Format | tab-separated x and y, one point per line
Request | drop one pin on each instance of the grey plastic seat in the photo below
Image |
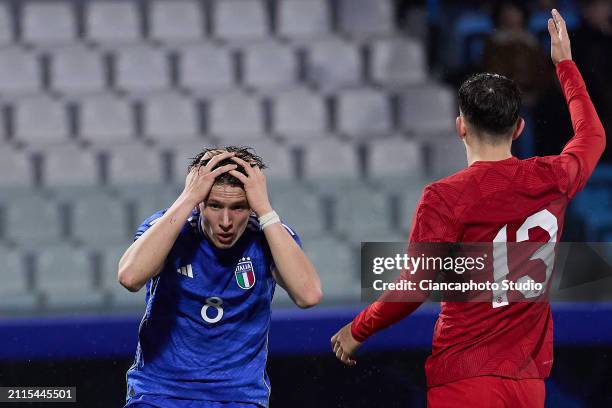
41	120
362	209
299	208
330	159
19	71
335	262
150	198
270	65
106	119
205	68
408	201
142	68
6	25
99	219
235	114
182	154
299	113
303	19
120	297
112	21
277	158
448	154
395	157
16	169
48	23
134	164
333	63
398	61
65	277
164	15
15	294
363	112
240	20
32	220
70	165
171	118
365	17
77	70
428	109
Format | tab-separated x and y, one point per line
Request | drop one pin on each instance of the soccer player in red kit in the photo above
495	354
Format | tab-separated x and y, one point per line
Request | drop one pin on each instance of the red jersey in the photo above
509	200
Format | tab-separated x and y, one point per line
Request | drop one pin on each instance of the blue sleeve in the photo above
148	223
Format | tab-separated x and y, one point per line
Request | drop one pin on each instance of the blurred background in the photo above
350	102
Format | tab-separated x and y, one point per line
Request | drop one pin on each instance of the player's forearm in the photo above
145	258
589	140
298	275
378	316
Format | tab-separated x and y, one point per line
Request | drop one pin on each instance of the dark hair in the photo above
500	6
243	152
491	103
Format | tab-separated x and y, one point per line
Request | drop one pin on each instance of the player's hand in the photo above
344	345
560	48
200	179
255	186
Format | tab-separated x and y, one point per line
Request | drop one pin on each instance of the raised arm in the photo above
580	155
145	258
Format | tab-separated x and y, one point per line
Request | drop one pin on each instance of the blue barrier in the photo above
293	332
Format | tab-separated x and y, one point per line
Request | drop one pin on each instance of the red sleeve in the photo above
581	153
432	222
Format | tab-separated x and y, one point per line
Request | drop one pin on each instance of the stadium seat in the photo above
48	23
69	166
41	120
142	68
299	208
447	155
99	219
6	25
270	65
336	264
366	17
205	68
120	297
398	61
395	157
106	119
65	278
132	164
16	169
32	220
165	15
147	199
364	113
428	109
15	294
240	20
299	113
408	201
170	118
235	114
360	210
19	71
333	63
330	160
298	19
112	21
182	154
77	70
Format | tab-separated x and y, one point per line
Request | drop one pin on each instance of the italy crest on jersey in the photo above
245	275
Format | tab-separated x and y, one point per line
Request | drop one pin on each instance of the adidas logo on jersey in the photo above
186	270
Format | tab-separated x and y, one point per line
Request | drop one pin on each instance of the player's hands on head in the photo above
200	179
255	186
344	345
560	48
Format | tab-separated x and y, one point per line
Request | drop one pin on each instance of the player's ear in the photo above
460	126
520	126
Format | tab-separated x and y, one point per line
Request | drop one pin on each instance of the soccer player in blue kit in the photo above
211	263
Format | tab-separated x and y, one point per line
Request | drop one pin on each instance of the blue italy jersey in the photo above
204	334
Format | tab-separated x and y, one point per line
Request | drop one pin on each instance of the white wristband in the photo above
269	219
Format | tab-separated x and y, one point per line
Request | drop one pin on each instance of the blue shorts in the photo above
159	401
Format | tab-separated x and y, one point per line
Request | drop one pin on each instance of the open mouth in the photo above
225	238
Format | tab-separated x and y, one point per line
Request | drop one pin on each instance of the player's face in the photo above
226	213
